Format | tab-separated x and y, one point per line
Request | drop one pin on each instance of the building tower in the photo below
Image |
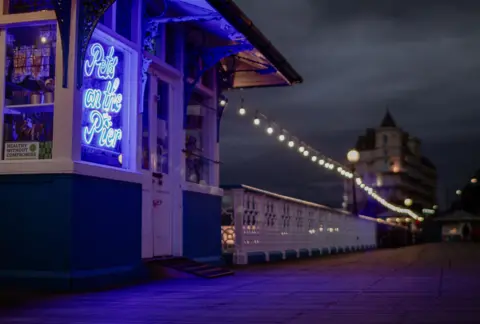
391	163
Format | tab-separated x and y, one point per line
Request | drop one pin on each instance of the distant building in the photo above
391	162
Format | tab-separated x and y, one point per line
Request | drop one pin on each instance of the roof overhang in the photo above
262	65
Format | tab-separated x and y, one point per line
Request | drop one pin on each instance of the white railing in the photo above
259	223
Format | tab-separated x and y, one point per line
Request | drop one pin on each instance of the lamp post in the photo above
353	156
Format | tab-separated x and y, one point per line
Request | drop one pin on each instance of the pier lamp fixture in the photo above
353	156
408	202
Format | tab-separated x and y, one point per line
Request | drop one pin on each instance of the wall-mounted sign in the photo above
21	151
102	105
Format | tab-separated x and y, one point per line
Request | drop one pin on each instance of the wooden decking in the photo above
420	284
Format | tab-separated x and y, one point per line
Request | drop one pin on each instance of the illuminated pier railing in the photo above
264	226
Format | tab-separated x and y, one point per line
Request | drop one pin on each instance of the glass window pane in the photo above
23	6
197	162
162	126
146	128
29	92
124	18
104	107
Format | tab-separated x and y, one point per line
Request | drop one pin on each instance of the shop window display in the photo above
29	92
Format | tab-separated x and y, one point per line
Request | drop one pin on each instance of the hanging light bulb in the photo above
222	101
256	120
281	137
301	149
291	143
242	111
321	162
306	153
269	130
314	158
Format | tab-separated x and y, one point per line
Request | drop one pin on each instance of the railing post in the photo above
260	224
239	255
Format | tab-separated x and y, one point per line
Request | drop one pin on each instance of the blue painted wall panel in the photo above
68	225
202	225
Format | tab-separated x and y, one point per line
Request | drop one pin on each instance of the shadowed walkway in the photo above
420	284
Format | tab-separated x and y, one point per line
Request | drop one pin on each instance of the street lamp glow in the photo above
408	202
458	192
353	156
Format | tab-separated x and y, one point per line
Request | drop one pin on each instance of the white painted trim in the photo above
109	35
64	138
166	70
106	172
69	167
36	167
28	19
204	189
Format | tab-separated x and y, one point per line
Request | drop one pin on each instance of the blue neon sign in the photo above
102	103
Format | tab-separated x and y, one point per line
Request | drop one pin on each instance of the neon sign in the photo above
101	102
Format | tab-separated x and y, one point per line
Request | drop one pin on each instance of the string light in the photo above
242	111
256	120
332	165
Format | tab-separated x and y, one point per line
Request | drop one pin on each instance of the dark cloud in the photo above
421	58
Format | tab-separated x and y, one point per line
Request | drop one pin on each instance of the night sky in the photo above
419	58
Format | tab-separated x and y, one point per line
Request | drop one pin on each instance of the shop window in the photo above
23	6
105	105
124	18
198	161
29	92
